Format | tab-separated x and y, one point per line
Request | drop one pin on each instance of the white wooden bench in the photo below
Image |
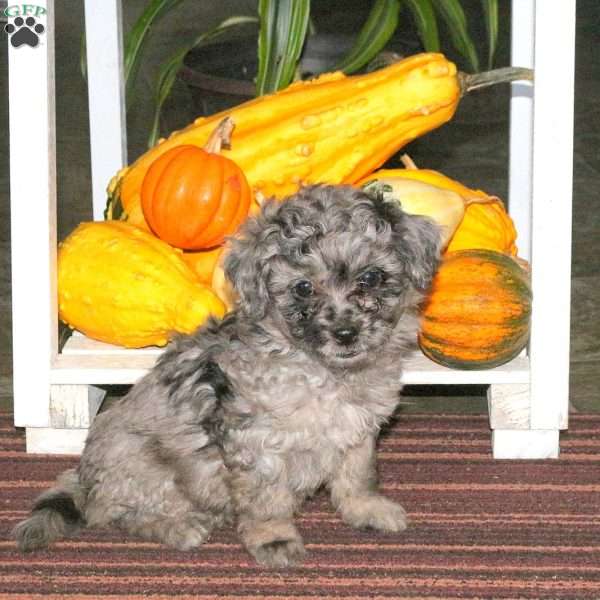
55	397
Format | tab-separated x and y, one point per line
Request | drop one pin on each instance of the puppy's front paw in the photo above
280	553
273	543
375	512
187	533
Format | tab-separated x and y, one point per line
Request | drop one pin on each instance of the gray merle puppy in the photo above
243	420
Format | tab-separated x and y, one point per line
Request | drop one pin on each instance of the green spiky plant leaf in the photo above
490	12
283	26
379	27
451	11
426	23
136	39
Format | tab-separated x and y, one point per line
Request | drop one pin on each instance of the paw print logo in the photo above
24	31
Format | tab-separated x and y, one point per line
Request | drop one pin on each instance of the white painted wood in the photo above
74	406
419	370
45	440
508	405
81	344
106	93
33	221
123	369
525	443
87	361
521	125
551	212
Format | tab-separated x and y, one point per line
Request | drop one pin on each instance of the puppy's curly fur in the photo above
247	417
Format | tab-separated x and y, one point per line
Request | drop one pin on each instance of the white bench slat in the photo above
87	361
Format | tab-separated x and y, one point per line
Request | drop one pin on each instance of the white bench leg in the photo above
525	443
527	422
510	420
72	408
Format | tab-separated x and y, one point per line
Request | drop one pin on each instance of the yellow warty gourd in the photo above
333	129
121	285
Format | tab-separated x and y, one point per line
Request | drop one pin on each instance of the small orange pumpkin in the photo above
194	197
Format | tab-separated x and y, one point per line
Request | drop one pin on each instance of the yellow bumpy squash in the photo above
333	129
485	224
485	227
446	207
121	285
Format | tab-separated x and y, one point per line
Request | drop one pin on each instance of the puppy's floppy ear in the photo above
247	264
417	241
421	245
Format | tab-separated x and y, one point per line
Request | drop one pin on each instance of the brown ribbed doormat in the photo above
480	529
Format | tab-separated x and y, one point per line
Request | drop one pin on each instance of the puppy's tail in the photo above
56	513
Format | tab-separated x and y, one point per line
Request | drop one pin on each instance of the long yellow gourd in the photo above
121	285
333	129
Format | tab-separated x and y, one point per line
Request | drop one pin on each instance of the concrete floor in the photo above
472	148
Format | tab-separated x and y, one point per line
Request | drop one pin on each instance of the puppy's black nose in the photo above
346	335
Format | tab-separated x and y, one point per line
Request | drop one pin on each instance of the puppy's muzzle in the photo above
345	335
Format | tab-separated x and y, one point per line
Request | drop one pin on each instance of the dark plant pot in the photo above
222	75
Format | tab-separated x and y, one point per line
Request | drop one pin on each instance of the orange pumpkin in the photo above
193	197
477	315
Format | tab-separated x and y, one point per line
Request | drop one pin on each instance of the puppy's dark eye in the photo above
303	289
370	279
